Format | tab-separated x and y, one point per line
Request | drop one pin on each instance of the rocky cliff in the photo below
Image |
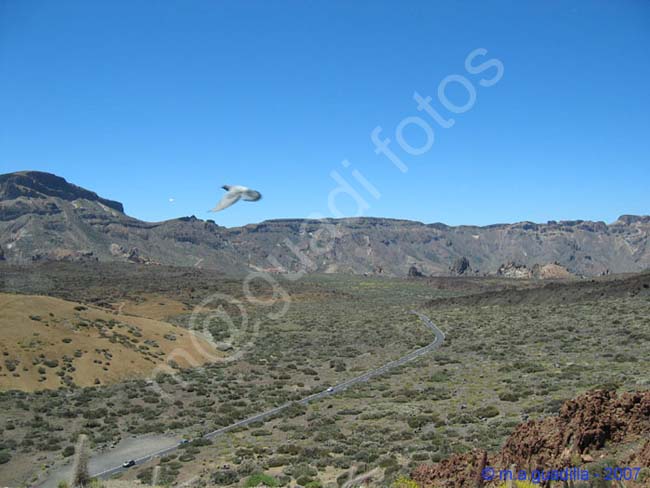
44	217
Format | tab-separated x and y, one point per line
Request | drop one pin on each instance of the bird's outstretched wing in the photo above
228	199
251	195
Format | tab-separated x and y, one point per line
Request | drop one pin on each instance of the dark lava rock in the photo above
460	266
414	272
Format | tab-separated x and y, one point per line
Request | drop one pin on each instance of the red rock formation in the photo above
584	424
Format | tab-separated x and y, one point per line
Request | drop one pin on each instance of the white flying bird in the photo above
234	194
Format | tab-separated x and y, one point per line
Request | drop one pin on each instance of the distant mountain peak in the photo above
38	184
633	219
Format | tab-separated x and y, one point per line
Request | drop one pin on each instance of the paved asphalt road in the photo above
437	342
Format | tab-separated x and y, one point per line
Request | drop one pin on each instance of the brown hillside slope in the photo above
47	342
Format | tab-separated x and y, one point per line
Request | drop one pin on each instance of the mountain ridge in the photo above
43	217
37	184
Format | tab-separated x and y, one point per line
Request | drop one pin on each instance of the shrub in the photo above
4	457
11	364
487	412
508	397
276	461
418	421
304	480
225	477
261	479
261	432
145	476
405	483
201	441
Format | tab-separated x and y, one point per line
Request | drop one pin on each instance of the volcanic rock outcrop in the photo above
584	426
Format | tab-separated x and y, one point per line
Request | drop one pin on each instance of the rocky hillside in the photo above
43	217
591	432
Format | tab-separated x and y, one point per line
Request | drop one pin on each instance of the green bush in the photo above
487	412
261	432
225	477
260	479
304	480
419	421
508	397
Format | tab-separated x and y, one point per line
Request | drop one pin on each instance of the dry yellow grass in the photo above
35	331
152	306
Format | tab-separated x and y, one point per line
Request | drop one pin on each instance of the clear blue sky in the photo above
143	101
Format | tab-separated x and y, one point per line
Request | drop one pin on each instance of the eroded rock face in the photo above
547	271
40	213
586	424
460	267
132	255
460	470
514	270
414	272
642	457
551	271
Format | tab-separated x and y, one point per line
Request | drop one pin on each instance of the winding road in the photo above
437	342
